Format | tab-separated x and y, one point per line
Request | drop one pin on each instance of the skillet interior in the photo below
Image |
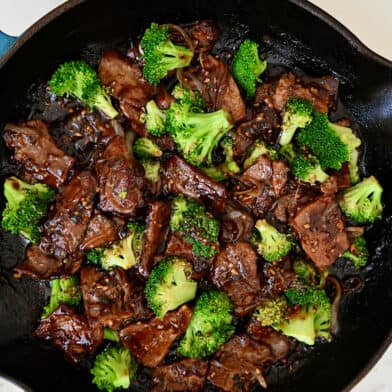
291	36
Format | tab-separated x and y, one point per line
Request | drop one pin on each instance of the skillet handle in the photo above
6	41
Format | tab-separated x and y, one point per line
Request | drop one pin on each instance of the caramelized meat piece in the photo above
157	226
111	299
66	226
261	184
185	375
180	177
321	229
120	179
126	83
36	150
235	272
239	364
150	341
70	332
277	277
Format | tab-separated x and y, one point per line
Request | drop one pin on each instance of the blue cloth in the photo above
6	41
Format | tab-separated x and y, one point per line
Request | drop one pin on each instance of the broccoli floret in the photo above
154	118
272	312
146	148
297	114
259	148
200	228
190	98
270	243
197	134
306	272
170	285
111	335
324	142
63	291
362	202
247	66
79	79
152	171
230	165
215	173
26	206
114	368
305	167
358	253
161	55
124	253
210	326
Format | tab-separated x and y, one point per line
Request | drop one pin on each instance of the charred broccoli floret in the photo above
170	285
114	368
269	242
247	66
210	326
358	253
259	148
63	291
79	79
190	98
154	118
124	253
306	272
146	148
26	206
362	202
161	55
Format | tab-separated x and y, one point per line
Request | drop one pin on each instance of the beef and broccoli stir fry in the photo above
186	210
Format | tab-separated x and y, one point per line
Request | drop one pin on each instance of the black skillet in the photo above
294	33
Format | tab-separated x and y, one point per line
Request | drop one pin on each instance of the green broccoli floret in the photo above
215	173
197	134
229	165
362	202
79	79
26	206
272	312
297	114
247	66
306	272
200	228
146	148
305	167
152	171
190	98
154	118
270	243
358	253
124	253
63	291
161	55
259	148
210	326
114	368
170	285
111	335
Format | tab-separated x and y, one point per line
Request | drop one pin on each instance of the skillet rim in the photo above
316	12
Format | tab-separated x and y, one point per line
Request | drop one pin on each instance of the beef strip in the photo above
260	185
111	299
126	83
36	150
180	177
235	272
185	375
277	277
70	332
321	229
150	341
239	363
120	178
157	226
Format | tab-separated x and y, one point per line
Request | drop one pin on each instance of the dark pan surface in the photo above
291	36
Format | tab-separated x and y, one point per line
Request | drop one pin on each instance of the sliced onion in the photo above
335	304
260	378
186	36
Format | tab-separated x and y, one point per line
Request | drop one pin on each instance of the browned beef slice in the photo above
181	178
239	363
67	223
261	184
70	332
157	226
235	272
126	83
185	375
120	179
321	229
36	150
150	341
110	298
101	231
277	277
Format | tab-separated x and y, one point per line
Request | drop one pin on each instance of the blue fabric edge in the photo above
6	42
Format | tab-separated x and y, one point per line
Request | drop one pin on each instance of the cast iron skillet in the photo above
292	32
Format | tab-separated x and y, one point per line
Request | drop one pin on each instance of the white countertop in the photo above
369	20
